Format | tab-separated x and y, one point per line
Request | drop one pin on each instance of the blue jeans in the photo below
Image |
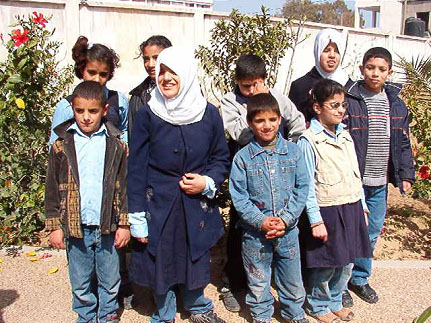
376	199
194	301
258	254
94	256
324	289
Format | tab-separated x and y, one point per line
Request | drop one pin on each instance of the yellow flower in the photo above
53	270
20	103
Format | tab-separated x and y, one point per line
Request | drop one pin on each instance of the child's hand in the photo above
142	240
192	183
274	227
406	186
274	234
261	88
122	236
366	212
56	239
320	232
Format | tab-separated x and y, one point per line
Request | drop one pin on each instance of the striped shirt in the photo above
378	148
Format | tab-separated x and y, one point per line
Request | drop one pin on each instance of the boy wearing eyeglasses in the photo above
378	121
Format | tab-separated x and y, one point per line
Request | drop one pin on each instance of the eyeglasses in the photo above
336	105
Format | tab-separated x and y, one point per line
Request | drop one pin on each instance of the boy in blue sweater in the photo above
269	187
378	121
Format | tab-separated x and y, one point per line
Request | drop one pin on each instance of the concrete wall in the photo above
124	25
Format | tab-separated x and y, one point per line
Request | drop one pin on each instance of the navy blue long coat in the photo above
155	171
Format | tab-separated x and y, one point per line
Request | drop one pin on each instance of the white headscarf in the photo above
323	38
188	106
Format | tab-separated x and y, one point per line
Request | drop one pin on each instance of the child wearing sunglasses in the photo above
334	232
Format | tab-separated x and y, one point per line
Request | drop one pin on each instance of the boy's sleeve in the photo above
217	167
234	122
407	168
292	210
247	211
124	116
122	176
52	191
295	120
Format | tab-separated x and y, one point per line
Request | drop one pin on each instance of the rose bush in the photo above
31	83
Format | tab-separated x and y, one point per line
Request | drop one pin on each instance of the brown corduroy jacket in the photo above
62	199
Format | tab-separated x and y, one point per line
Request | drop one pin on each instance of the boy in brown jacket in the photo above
86	204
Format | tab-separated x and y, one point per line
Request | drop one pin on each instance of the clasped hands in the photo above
274	227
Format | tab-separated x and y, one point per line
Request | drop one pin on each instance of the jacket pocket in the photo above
255	181
328	178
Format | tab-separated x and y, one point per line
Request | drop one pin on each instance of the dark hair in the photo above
82	53
378	52
321	92
90	90
250	66
259	103
157	40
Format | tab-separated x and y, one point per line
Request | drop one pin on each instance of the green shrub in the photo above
417	95
31	83
243	34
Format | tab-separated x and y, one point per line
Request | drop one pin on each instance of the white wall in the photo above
124	25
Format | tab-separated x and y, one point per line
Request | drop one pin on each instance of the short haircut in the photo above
260	103
320	93
250	67
157	40
378	52
90	90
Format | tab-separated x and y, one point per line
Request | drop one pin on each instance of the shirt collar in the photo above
316	127
280	147
102	130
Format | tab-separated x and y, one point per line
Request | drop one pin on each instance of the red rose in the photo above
424	172
39	19
18	37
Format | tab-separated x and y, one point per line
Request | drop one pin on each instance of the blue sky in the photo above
253	6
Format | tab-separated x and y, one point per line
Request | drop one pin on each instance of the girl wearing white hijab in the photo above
178	158
329	47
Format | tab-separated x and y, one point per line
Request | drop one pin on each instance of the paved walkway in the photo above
28	293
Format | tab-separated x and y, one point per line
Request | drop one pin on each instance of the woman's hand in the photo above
192	183
320	232
122	236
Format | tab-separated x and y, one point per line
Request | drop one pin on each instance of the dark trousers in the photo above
234	268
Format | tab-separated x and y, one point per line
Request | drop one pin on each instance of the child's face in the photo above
88	114
331	112
251	86
150	54
330	58
169	82
96	71
265	126
375	73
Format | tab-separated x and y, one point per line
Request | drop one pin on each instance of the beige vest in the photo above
337	177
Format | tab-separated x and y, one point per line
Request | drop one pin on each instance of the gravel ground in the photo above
28	293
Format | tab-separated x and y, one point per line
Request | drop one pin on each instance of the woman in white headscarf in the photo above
178	158
329	47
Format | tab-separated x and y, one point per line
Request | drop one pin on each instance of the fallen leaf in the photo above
53	270
30	254
34	259
1	260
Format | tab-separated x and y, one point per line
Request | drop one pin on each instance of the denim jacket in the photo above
269	183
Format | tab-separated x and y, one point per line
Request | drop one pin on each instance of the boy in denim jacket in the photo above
269	187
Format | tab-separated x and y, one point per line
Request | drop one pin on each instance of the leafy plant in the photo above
417	95
31	83
243	34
